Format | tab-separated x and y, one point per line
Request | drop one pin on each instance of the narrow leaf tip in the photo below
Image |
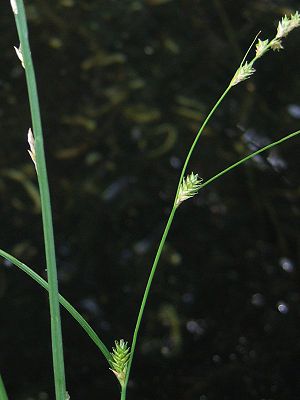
20	55
14	6
31	143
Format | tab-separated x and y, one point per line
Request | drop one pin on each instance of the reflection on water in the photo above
282	307
286	264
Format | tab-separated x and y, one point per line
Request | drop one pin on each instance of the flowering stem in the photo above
56	334
197	138
123	393
145	297
244	71
162	242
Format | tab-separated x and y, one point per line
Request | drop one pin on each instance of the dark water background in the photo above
124	86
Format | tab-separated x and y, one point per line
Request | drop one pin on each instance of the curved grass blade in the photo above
3	394
75	314
269	146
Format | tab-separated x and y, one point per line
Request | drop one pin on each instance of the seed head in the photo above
188	188
287	24
276	45
120	357
244	72
261	47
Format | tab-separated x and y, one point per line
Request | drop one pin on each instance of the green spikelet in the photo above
120	356
189	188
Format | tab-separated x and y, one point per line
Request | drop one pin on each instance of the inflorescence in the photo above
285	26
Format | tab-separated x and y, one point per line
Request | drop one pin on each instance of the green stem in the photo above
3	394
197	138
224	171
162	242
89	330
144	300
75	314
56	334
170	220
171	217
123	393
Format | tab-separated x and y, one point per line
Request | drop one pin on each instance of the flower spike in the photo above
120	357
287	24
244	72
188	188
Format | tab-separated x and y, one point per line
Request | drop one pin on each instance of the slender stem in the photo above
170	220
89	330
145	296
197	138
218	175
123	393
75	314
162	242
56	334
3	394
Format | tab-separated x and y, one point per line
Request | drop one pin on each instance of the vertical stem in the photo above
145	297
56	334
123	393
162	242
3	394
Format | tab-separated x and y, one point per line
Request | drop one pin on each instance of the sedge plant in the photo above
121	357
76	315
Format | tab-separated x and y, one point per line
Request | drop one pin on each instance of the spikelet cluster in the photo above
285	26
243	73
188	188
120	357
261	47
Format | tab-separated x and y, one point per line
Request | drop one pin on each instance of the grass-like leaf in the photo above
24	54
75	314
3	394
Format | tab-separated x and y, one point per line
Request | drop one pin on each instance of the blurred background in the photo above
124	86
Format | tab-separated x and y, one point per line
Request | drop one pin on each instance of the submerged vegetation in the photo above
189	185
